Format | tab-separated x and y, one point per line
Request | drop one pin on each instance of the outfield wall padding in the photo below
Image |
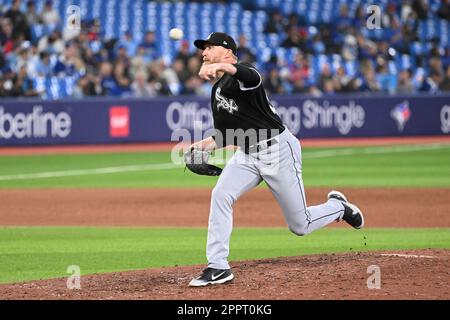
93	121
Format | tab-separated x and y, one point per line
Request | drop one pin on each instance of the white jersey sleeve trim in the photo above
243	88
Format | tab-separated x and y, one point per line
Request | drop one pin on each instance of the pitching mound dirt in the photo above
415	274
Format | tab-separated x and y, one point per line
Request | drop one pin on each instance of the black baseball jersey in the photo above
239	101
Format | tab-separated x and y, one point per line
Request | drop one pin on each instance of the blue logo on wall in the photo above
401	114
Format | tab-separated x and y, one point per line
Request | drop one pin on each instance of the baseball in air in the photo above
176	34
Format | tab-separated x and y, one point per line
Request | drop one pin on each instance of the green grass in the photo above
418	166
46	252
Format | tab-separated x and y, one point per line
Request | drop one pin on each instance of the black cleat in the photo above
352	214
337	195
212	276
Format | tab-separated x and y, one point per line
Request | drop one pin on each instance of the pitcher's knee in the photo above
221	195
299	229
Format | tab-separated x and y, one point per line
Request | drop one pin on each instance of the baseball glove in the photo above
197	161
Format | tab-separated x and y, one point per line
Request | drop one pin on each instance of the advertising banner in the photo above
36	122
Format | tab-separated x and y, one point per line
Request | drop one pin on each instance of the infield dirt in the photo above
382	207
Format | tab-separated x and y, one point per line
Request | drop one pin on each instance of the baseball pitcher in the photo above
267	150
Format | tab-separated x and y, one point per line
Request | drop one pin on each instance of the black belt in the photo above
262	145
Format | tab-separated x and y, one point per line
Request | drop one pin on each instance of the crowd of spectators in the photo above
124	68
345	37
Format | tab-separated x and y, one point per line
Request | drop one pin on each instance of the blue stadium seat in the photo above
404	61
52	88
351	67
40	86
419	48
67	85
335	62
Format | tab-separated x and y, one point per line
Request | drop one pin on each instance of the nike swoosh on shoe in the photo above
214	277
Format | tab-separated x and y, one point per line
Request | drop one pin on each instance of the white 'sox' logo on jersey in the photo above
224	103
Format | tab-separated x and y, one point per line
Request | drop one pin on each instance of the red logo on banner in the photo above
119	121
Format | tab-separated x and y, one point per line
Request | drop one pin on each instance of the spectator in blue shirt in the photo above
360	20
387	81
127	42
108	83
431	83
149	44
276	24
44	67
244	53
367	80
343	21
317	45
69	63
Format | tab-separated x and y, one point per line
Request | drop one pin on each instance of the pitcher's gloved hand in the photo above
197	161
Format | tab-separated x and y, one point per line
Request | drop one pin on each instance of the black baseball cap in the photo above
217	39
